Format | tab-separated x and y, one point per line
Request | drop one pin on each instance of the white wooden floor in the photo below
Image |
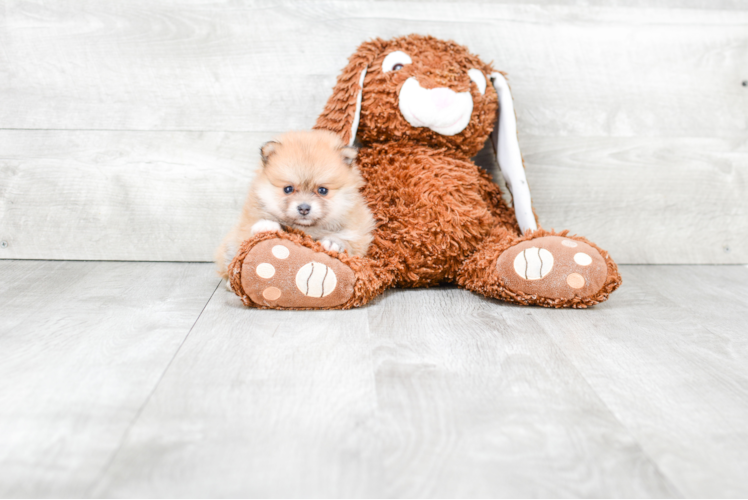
148	379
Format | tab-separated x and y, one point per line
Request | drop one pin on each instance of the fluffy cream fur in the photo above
303	162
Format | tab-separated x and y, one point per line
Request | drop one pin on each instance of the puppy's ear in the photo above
343	110
349	154
509	156
267	150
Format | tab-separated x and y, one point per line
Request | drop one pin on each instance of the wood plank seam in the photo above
109	462
610	410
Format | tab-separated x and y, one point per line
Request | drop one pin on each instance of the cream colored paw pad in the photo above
533	263
280	252
582	259
575	280
569	243
265	270
316	280
271	293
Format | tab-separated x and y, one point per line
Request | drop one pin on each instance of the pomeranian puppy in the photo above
307	180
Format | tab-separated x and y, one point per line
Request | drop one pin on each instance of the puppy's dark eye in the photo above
397	67
322	190
288	189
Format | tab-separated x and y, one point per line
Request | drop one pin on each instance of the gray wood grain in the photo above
425	393
673	4
631	118
256	66
122	195
475	400
646	200
443	395
172	195
669	357
82	345
258	404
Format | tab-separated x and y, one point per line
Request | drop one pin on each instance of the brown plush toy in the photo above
421	108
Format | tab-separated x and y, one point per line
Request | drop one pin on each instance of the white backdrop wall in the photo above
129	129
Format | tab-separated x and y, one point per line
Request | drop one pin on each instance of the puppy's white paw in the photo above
228	286
332	245
265	226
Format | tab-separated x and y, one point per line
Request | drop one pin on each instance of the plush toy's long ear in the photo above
343	110
509	156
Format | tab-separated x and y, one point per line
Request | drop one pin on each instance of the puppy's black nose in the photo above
304	209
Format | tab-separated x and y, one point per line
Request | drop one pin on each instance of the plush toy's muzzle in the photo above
443	110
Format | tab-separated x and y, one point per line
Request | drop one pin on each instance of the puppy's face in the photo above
308	178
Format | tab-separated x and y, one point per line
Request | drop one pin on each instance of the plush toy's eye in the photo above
322	190
288	189
395	61
477	76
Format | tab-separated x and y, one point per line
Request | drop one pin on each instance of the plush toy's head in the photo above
415	88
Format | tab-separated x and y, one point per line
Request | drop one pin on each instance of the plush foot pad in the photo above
553	267
279	273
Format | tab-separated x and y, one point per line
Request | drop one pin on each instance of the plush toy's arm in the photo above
509	156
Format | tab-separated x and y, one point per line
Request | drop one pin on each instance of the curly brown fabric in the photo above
440	219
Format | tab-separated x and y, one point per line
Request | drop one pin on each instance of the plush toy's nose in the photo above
304	209
441	109
442	98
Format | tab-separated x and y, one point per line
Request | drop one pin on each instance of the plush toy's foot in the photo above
552	267
278	273
289	271
547	269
